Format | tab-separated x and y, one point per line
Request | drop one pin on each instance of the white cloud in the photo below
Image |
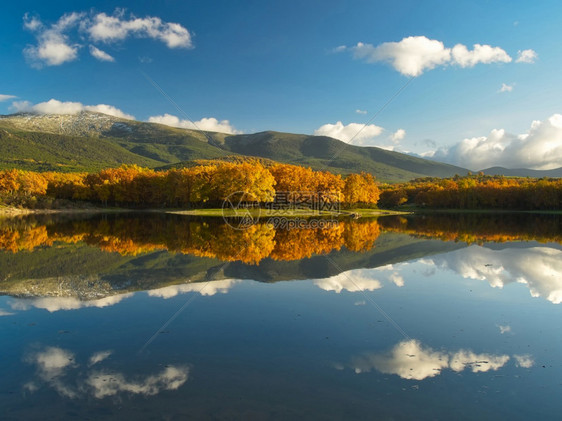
480	54
53	361
21	106
339	49
526	56
100	55
358	111
55	369
209	288
107	29
55	44
98	357
52	365
504	329
506	88
411	56
109	110
31	23
54	106
398	135
6	97
476	362
352	281
5	313
52	304
411	360
539	268
210	124
353	132
416	54
524	361
396	279
540	148
105	384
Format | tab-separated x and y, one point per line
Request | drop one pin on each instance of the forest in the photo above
477	191
208	183
203	185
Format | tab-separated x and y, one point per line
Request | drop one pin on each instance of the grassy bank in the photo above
212	212
256	212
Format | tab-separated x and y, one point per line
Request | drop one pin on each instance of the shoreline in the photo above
232	213
210	212
9	211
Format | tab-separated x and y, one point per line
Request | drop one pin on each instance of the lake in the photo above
153	316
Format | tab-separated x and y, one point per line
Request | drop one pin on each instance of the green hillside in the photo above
523	172
321	152
89	141
39	151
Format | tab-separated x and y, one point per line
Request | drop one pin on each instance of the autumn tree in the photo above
361	189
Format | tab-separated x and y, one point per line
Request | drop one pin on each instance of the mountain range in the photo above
90	141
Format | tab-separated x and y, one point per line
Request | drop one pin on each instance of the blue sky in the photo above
275	65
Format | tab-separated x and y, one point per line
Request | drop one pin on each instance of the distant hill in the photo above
523	172
89	141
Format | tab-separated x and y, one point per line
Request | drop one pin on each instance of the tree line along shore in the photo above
208	184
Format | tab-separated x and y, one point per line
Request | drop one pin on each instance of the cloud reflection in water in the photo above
411	360
57	368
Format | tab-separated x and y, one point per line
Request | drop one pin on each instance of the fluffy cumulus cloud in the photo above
353	132
54	46
479	54
411	360
539	268
540	148
526	56
58	369
416	54
209	124
54	106
61	41
100	54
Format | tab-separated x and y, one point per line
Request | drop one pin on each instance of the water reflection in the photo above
539	268
352	281
53	304
57	263
207	288
203	238
59	369
479	228
411	360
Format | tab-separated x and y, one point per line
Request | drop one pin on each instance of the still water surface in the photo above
162	317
